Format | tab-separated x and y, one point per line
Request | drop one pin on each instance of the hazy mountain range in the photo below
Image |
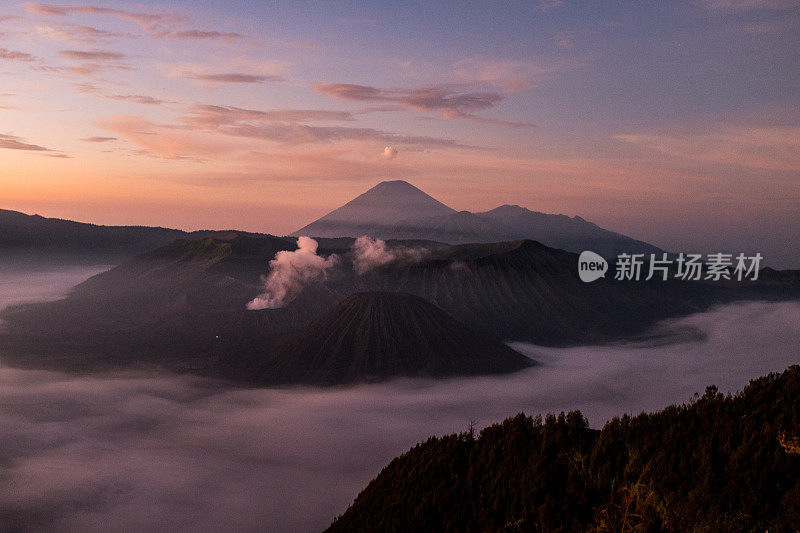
398	210
390	210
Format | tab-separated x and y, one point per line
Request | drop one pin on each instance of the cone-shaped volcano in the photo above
377	211
377	335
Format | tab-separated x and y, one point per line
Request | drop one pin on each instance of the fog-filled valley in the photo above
159	451
20	287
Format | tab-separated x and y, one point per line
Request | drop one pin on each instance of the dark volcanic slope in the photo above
174	306
183	306
523	290
715	465
377	335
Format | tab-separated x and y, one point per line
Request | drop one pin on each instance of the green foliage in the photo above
713	465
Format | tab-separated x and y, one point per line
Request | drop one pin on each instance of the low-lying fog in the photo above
160	452
24	287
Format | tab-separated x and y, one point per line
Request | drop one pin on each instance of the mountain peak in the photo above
399	190
384	205
394	185
510	208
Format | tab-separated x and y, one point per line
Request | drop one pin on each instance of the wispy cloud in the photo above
98	139
4	18
92	55
12	142
291	126
13	55
547	5
165	142
236	70
452	101
148	21
93	61
734	6
204	35
212	116
235	77
214	131
138	99
448	98
78	34
503	75
158	25
484	120
91	88
774	148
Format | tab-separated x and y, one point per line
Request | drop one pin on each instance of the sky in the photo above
673	122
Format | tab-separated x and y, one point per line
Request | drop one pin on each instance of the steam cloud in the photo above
369	253
290	271
390	152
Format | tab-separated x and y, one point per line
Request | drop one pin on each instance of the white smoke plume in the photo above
369	253
290	271
390	152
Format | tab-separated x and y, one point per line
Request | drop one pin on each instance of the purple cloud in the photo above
290	126
12	142
148	21
235	77
92	55
98	139
138	99
204	35
79	34
13	55
450	100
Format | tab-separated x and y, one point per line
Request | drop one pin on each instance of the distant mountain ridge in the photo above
28	241
392	210
398	210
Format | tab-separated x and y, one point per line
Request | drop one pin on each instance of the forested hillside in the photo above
718	463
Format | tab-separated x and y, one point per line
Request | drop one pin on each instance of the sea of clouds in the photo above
131	451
